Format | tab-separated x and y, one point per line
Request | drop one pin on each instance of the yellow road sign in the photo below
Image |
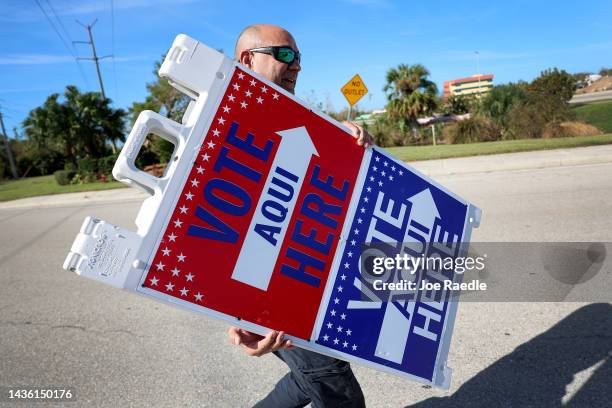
354	90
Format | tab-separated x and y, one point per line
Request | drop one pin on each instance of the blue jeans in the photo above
322	380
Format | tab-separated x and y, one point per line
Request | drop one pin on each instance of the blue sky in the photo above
338	38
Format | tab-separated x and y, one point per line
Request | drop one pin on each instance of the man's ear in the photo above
246	59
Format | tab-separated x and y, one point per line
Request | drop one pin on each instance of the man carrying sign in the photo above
272	52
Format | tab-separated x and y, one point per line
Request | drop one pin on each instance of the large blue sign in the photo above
402	209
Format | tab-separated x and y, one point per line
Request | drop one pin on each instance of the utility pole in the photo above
9	152
95	58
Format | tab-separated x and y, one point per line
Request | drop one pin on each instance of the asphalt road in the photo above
591	97
118	349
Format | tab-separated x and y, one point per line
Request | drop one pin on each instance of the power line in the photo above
60	23
62	39
113	46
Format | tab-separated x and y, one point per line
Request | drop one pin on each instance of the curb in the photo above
514	161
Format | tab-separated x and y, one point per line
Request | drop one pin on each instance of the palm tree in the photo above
411	94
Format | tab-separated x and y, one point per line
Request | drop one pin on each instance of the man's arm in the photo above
256	345
363	137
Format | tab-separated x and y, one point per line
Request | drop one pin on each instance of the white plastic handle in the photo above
125	169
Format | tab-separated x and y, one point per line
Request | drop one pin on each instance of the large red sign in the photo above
256	226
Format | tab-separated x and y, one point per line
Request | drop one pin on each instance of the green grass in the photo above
37	186
598	114
414	153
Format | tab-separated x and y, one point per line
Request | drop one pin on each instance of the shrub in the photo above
474	129
64	177
106	164
87	165
569	129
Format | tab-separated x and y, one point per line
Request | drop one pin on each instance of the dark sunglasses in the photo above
283	53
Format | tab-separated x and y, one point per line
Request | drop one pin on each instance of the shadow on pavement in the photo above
536	373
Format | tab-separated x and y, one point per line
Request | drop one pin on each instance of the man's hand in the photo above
256	345
363	137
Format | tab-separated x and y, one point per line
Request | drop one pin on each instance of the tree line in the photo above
76	135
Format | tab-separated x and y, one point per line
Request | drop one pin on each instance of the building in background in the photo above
475	85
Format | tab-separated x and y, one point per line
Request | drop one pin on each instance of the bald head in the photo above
265	64
259	35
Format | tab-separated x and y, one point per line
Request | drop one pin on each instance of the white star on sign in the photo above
166	252
154	281
236	86
329	325
221	120
184	292
260	99
160	266
350	254
383	173
359	220
369	189
248	94
183	209
178	223
336	341
354	347
175	271
385	164
366	199
345	344
371	178
189	196
216	133
198	297
356	231
393	168
189	277
226	109
348	332
205	157
339	328
181	257
325	338
343	277
374	168
172	237
275	96
380	183
243	104
231	98
264	89
200	169
391	178
346	265
343	316
340	288
377	158
240	75
333	312
169	287
401	173
211	144
353	242
336	300
252	82
195	182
